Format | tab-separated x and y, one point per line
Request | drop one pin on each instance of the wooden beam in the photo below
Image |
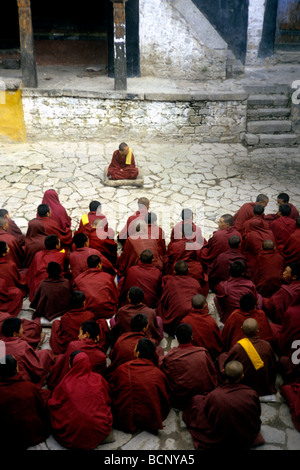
29	74
120	60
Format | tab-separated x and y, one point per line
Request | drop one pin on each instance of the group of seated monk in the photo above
110	300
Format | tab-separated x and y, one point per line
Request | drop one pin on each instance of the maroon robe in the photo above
34	240
145	276
140	396
66	329
32	329
14	230
11	275
182	366
156	233
232	330
119	170
58	212
52	298
227	417
129	227
261	380
133	248
229	293
244	213
253	240
247	225
33	364
11	298
291	392
176	300
291	249
78	261
16	253
176	233
60	368
52	228
218	271
206	332
100	290
123	350
293	215
282	228
24	417
277	305
124	316
104	242
217	244
290	329
267	272
92	216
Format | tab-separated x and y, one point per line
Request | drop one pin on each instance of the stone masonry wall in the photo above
201	119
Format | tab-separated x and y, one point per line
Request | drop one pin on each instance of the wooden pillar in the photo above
120	61
29	75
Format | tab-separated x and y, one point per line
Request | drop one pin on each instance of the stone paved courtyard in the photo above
212	179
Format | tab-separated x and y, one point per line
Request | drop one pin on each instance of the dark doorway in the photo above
287	35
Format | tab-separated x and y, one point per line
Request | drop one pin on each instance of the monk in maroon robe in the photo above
32	330
87	342
284	198
218	243
122	320
176	300
13	229
130	226
188	368
24	417
52	296
122	165
9	271
156	232
58	212
228	293
102	240
291	249
34	240
232	330
206	332
144	275
33	364
276	306
52	227
140	393
227	417
16	252
88	219
99	288
246	211
289	331
291	393
268	269
179	230
283	226
11	298
258	359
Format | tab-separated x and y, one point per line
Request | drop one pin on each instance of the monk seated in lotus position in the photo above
122	165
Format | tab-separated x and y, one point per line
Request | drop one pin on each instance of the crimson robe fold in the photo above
217	244
52	298
133	247
118	168
58	212
145	276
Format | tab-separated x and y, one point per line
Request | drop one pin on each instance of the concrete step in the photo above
268	100
272	140
265	127
257	114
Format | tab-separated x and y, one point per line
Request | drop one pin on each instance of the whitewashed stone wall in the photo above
202	119
177	41
256	14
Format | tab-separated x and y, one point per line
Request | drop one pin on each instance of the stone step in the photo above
267	89
272	140
257	114
268	100
265	127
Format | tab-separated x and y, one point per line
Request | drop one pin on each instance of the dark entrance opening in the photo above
287	35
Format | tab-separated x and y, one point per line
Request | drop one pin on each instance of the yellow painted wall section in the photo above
12	125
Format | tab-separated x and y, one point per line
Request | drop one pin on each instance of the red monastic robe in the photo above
293	215
133	248
190	371
120	170
232	330
262	380
145	276
100	290
80	408
52	298
277	305
244	213
253	240
291	392
24	417
267	272
32	329
129	228
58	212
14	230
103	242
229	293
78	262
11	298
16	253
156	233
52	228
33	364
176	300
140	396
123	350
217	244
248	223
289	330
11	275
206	332
66	329
218	271
176	233
227	417
88	219
282	228
291	249
34	240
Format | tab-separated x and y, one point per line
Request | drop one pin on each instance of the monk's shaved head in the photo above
233	371
250	327
268	245
198	301
143	201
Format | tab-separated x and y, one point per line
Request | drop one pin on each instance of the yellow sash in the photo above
252	353
62	251
128	157
85	219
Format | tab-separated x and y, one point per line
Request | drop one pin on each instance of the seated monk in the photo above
87	342
189	369
144	275
34	240
176	300
258	214
52	296
13	229
140	393
155	231
11	298
258	359
80	406
24	417
16	252
284	198
206	332
66	329
52	227
246	211
33	364
99	288
268	269
178	230
130	226
121	321
227	416
32	330
95	212
58	212
122	165
9	271
283	226
232	330
291	393
291	249
102	240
